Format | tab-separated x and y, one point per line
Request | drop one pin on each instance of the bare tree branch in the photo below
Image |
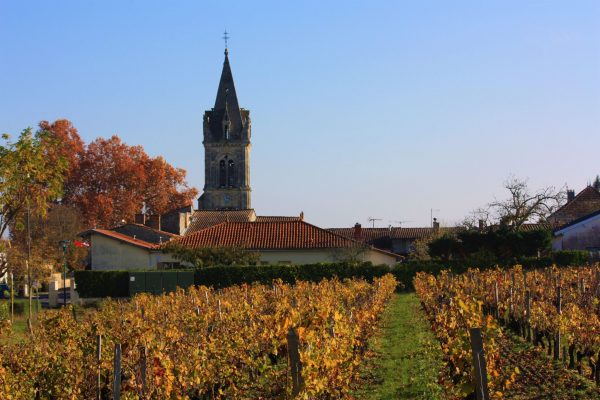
524	206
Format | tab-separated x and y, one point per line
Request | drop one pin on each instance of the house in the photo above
202	219
175	221
128	247
287	242
224	216
586	202
396	240
580	234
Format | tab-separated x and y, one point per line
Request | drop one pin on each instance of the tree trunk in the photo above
30	295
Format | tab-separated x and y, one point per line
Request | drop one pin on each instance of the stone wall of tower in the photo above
227	133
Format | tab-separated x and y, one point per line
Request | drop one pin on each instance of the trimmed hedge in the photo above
116	283
102	283
223	276
570	257
21	307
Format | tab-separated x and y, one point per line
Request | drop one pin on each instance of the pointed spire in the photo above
226	101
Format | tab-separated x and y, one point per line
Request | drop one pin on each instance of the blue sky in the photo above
379	109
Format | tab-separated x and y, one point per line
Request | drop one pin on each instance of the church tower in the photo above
226	150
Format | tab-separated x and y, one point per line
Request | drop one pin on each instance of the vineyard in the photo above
556	310
202	344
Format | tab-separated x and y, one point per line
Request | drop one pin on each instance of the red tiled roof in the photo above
586	202
266	236
202	219
122	238
370	234
147	228
262	218
534	227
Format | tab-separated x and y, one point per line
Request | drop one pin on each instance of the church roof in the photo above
586	202
287	235
226	102
202	219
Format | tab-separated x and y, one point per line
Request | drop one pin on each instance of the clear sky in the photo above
381	109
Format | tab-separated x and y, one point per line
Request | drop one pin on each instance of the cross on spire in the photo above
226	38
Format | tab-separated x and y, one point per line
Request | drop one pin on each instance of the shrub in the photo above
102	283
570	257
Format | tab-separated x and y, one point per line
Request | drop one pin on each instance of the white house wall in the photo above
584	235
112	254
319	256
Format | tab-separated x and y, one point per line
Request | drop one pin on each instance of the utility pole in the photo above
64	244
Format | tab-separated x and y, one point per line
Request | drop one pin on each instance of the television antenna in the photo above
431	211
400	222
371	219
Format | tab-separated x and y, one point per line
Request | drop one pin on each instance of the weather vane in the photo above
225	38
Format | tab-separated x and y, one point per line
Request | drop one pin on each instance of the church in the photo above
224	217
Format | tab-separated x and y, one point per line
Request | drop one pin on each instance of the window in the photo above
231	173
222	174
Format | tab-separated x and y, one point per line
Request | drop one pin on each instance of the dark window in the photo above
231	174
222	173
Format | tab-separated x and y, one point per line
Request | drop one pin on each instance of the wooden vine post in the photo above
293	344
99	359
496	300
117	373
528	316
480	382
557	335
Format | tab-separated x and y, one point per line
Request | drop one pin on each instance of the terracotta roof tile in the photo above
121	237
202	219
370	234
586	202
266	235
146	227
262	218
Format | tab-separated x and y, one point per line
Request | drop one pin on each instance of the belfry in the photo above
227	131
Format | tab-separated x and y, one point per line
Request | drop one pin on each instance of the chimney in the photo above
357	231
436	225
570	195
154	222
481	225
140	219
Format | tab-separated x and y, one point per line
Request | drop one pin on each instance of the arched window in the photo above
222	173
231	173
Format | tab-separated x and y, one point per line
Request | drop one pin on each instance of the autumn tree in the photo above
61	222
31	176
113	181
68	144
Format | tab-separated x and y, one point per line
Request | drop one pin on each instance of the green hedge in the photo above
223	276
21	307
570	257
102	283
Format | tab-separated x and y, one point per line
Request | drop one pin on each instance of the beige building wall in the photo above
319	256
112	254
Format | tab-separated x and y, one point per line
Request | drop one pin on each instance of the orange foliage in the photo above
110	181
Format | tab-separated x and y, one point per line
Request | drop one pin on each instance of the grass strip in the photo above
407	358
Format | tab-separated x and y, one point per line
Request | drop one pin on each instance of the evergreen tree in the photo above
596	184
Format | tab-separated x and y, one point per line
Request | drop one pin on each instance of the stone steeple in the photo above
227	132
